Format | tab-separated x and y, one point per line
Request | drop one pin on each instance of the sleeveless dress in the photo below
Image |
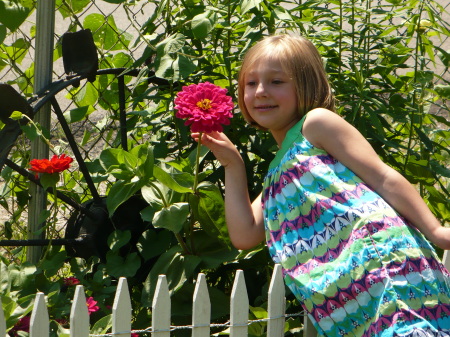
355	264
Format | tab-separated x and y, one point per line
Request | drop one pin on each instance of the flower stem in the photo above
197	162
182	244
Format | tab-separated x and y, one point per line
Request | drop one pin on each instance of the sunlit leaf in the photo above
172	217
120	192
248	5
77	114
203	23
12	14
179	182
69	7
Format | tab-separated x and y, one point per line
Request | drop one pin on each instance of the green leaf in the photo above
443	90
115	1
68	8
102	326
210	211
78	114
248	5
12	14
179	182
212	251
153	197
203	23
425	77
122	60
44	215
177	268
172	217
86	95
153	243
31	131
49	180
439	169
174	67
118	239
16	115
107	35
171	44
2	34
144	154
111	157
120	192
22	278
117	266
159	268
119	161
53	262
418	170
170	63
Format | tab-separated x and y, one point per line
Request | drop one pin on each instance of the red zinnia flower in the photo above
71	281
92	305
54	165
205	106
22	324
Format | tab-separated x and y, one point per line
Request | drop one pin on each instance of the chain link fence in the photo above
117	30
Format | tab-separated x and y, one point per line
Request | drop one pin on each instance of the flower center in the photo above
204	104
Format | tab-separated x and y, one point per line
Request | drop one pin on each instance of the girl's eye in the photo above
251	83
277	81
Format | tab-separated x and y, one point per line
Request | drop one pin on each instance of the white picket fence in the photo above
161	312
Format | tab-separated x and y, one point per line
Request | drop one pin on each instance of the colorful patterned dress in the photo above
353	262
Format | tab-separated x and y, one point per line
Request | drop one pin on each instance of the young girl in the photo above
342	224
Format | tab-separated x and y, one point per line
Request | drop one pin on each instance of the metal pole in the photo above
43	69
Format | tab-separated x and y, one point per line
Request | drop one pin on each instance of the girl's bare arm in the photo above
332	133
244	218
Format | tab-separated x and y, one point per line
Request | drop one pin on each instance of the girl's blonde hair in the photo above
298	57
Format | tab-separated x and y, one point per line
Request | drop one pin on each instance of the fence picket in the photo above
201	308
79	315
121	310
161	309
2	321
39	322
239	307
446	260
308	328
277	304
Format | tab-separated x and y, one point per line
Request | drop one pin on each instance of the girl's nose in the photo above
260	90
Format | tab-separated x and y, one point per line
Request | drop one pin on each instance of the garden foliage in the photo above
381	60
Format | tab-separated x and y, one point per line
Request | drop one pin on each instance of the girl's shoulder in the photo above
321	124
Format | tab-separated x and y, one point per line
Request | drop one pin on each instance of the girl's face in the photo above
270	97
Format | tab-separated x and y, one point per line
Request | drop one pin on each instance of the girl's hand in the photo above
221	146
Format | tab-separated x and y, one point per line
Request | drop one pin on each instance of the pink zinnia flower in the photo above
206	107
71	281
92	305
